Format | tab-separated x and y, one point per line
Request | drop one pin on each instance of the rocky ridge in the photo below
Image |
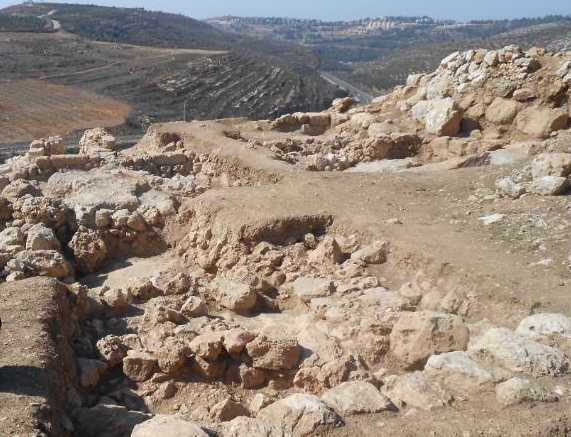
292	320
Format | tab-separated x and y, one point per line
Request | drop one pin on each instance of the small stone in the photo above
491	219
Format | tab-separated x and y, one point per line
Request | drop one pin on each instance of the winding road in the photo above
361	96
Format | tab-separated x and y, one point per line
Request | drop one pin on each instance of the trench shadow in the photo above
23	380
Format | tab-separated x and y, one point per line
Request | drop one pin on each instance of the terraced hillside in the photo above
157	83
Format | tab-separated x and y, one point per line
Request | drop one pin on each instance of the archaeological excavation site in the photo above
401	268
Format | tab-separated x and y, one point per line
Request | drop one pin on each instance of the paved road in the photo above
361	96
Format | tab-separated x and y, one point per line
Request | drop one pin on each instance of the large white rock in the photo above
415	390
168	426
299	414
545	324
517	390
356	397
458	371
247	427
551	164
45	263
444	118
418	335
550	185
506	187
10	237
520	354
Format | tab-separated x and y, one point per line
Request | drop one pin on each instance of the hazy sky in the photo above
347	9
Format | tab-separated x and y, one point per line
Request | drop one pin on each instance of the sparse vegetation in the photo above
23	23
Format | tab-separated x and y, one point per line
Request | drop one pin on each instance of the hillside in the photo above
375	54
153	62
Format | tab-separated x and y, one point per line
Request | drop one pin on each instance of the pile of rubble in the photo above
281	323
476	102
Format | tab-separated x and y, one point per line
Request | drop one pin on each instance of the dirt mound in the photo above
228	271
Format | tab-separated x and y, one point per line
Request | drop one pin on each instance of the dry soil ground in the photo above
431	216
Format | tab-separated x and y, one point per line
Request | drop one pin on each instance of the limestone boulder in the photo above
307	288
106	420
89	250
420	110
172	354
299	414
274	353
444	118
96	139
168	426
502	111
138	365
458	371
519	353
161	310
11	237
116	298
550	185
194	306
19	188
90	372
235	340
506	187
245	426
235	296
327	252
415	390
45	263
551	164
208	346
418	335
515	391
356	397
541	121
545	325
41	237
374	253
143	289
227	410
112	348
